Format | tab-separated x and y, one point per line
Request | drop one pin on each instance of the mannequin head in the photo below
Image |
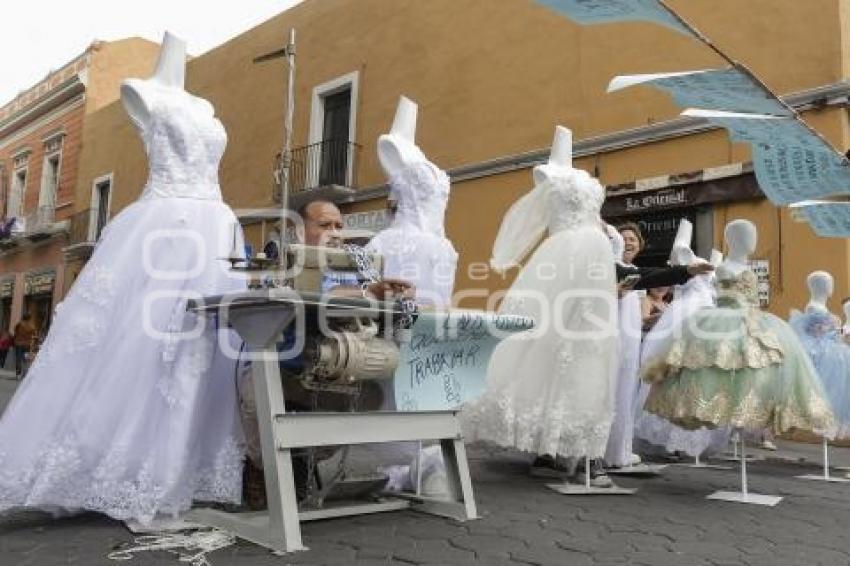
741	237
398	148
170	71
171	65
681	254
821	286
560	161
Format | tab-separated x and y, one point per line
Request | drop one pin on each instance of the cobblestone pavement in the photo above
668	522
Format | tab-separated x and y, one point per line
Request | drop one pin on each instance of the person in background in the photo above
653	306
24	334
6	343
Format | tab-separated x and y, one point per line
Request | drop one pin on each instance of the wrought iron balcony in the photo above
325	169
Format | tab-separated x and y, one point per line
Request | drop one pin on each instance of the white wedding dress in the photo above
619	450
121	412
697	293
414	246
550	390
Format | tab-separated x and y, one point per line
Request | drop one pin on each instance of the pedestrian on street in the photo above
6	344
24	334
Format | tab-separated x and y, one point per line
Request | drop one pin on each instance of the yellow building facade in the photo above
492	79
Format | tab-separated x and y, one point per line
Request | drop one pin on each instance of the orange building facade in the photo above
41	139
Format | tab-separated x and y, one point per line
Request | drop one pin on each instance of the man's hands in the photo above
391	289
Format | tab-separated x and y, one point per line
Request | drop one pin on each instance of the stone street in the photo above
668	522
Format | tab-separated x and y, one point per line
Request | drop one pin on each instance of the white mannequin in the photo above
170	72
821	286
741	237
560	157
681	254
398	149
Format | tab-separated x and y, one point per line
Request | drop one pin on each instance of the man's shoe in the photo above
769	445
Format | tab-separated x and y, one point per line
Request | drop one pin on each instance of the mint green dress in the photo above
737	366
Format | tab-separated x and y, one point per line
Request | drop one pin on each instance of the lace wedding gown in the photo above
414	246
123	412
550	389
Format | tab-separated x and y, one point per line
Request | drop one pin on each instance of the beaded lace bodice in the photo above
573	201
421	190
740	291
184	142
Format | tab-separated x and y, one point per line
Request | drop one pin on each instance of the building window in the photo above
333	127
49	181
14	206
101	199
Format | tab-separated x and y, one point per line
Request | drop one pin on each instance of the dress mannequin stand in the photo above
561	157
821	287
694	294
741	237
414	246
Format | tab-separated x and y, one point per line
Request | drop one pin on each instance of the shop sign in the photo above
372	220
38	283
662	199
7	287
761	267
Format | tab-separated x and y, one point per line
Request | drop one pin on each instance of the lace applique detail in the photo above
422	193
574	201
86	331
97	285
58	478
184	142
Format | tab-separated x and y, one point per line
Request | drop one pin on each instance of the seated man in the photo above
322	227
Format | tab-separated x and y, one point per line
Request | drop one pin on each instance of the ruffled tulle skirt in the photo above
831	359
741	368
126	411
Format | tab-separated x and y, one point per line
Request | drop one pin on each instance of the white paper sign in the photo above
729	89
827	219
589	12
761	267
790	162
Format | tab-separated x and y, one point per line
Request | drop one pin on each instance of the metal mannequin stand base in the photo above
744	496
568	488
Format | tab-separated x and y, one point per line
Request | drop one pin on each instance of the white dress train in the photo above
619	450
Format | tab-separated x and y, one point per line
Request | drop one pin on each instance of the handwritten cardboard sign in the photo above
445	362
589	12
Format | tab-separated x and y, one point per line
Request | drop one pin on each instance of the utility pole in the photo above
285	162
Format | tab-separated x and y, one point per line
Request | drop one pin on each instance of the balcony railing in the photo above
40	220
323	164
79	232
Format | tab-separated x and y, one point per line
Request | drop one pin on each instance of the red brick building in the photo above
41	137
